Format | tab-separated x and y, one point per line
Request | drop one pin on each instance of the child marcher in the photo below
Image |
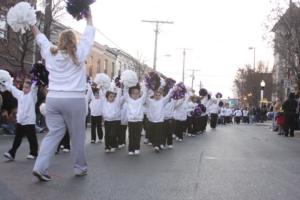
237	116
180	116
96	116
156	117
112	119
135	113
280	122
123	127
26	119
214	110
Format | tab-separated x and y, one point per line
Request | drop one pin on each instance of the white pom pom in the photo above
129	78
162	82
102	80
21	17
4	79
43	109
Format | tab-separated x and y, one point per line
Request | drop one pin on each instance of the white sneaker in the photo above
123	145
170	146
107	150
112	150
174	136
8	156
93	141
99	141
30	157
162	147
130	153
146	141
41	177
156	149
179	140
62	146
66	150
83	173
189	135
137	152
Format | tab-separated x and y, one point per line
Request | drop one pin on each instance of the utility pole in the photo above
183	62
193	76
156	31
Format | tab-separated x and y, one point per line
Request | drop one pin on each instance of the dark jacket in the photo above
290	106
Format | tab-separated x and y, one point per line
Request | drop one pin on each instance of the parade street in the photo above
233	162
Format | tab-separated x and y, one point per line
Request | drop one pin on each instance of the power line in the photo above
183	62
193	75
156	31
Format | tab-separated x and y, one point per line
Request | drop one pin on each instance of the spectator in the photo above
289	110
276	109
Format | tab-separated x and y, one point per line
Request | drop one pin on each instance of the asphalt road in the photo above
232	163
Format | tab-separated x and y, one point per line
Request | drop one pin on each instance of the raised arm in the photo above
15	91
41	40
34	91
167	98
86	40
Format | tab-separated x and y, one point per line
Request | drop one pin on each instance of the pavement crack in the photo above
196	186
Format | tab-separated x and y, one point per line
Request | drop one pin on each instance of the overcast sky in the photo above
218	33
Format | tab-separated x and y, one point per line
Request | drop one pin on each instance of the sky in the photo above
218	34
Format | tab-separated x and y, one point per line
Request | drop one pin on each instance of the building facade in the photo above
286	59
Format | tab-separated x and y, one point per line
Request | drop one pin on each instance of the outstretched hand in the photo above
88	17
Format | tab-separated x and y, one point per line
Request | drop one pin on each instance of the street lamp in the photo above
262	87
253	48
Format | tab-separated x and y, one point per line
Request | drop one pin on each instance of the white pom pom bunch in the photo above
4	79
102	80
21	17
43	109
129	78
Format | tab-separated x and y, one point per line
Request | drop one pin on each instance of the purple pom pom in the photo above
79	8
169	84
219	95
118	81
203	92
39	74
152	81
199	109
221	104
180	91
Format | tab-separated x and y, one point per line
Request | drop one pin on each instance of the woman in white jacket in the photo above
66	96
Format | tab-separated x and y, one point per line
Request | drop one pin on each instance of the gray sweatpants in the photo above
62	113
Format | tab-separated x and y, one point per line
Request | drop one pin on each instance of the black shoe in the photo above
41	177
292	135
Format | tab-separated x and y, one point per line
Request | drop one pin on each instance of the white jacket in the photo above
169	109
67	80
214	108
135	108
26	104
111	111
155	112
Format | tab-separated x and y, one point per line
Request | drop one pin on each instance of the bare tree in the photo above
247	83
284	21
54	9
16	48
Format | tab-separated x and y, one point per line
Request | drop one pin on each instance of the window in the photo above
3	27
91	71
99	66
113	69
105	66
